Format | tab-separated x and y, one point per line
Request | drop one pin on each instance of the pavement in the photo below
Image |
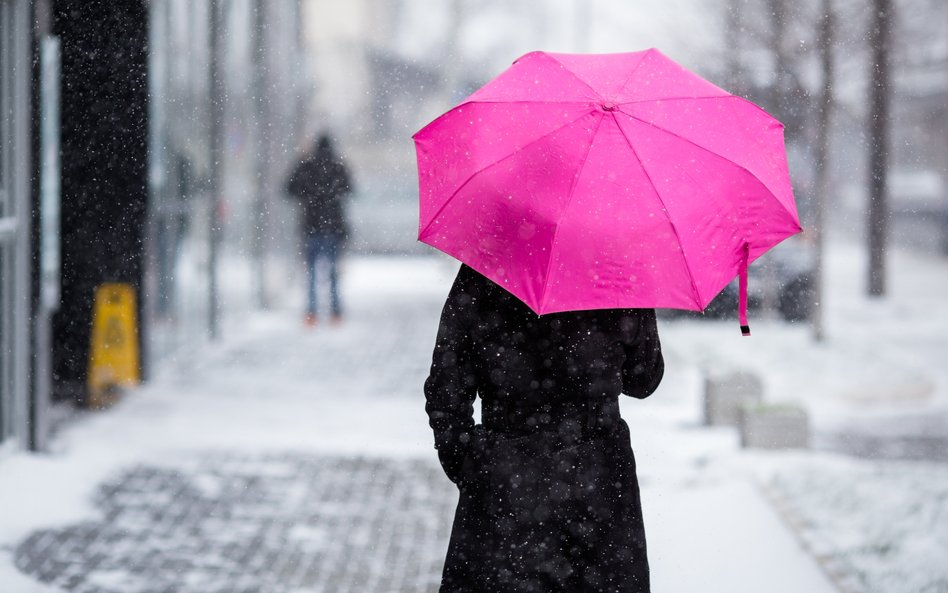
282	460
235	523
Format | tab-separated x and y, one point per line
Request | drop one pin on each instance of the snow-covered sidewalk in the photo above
272	396
878	387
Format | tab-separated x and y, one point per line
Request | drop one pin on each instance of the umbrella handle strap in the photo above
742	293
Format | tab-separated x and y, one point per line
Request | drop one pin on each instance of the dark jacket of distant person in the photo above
320	182
549	499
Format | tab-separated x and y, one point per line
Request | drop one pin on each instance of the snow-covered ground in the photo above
878	383
883	357
718	517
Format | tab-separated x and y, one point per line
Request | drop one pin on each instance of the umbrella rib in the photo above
725	96
625	83
528	101
691	276
574	75
660	99
569	200
709	151
491	164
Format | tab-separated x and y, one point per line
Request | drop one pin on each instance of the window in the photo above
14	200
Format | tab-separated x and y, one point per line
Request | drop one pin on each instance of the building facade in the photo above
141	142
226	93
15	220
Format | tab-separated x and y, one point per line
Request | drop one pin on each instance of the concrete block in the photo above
725	394
777	426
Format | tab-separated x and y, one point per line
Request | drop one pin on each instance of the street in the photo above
293	460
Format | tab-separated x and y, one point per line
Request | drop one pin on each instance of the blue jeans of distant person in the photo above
322	247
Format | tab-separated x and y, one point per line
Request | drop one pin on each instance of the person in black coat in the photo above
320	182
549	499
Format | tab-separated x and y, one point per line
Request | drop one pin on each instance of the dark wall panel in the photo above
104	166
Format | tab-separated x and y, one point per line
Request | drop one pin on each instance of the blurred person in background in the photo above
320	182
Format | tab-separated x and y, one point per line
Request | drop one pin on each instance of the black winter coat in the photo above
549	500
320	182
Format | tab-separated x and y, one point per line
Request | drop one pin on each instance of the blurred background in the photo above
148	142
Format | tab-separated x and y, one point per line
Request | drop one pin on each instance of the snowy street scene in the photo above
456	296
287	460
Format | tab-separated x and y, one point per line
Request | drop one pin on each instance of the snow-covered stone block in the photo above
775	426
725	394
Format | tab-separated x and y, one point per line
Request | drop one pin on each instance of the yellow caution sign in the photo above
113	357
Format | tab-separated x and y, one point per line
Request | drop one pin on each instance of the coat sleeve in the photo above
644	365
342	185
294	182
451	386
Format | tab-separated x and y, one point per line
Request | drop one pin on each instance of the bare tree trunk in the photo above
780	102
944	220
824	117
215	230
451	73
880	91
733	47
778	26
263	130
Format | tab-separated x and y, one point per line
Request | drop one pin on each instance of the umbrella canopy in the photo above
604	181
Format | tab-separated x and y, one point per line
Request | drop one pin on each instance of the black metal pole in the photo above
217	158
263	132
880	91
825	43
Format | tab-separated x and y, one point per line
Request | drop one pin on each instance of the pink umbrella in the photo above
605	181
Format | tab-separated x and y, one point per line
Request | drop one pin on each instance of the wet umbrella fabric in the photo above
583	182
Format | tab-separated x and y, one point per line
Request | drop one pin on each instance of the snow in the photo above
881	356
718	517
875	525
492	35
14	581
881	526
715	509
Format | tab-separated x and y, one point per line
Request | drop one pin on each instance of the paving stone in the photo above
288	523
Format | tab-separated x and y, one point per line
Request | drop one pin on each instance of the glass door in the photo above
14	219
7	222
